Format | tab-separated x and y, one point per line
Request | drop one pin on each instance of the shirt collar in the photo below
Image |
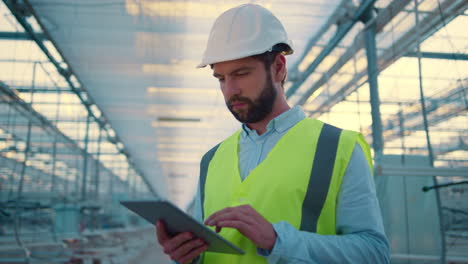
280	123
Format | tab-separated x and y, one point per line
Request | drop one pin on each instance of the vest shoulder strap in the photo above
205	162
320	177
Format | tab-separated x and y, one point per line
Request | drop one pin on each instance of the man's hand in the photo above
248	222
183	247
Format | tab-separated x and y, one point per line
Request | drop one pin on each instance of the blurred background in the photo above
100	101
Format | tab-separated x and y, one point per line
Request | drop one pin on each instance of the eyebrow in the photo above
217	75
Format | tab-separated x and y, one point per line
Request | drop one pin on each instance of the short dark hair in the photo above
269	57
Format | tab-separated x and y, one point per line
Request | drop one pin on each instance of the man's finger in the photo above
194	253
237	215
241	226
186	248
175	242
218	213
161	232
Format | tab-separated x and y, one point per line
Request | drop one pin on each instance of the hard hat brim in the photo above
208	61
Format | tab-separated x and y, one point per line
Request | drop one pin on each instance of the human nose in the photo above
231	87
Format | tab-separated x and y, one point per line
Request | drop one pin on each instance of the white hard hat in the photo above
244	31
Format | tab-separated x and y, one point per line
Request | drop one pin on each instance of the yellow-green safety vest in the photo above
298	182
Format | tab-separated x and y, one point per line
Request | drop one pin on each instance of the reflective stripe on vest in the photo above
321	175
203	171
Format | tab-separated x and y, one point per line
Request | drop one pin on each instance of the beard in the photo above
256	110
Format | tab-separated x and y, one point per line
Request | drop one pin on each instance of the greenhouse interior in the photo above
101	101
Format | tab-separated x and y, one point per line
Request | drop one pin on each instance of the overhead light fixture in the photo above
180	122
178	119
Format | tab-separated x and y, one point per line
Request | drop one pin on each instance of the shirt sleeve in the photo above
360	234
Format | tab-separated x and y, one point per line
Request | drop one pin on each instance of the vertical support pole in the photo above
54	167
23	165
28	137
33	83
85	159
129	182
78	177
373	72
111	179
134	180
67	177
54	150
428	138
98	156
10	127
401	121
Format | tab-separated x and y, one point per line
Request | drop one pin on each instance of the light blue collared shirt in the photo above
361	237
254	148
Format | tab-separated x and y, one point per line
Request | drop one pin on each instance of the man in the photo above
284	188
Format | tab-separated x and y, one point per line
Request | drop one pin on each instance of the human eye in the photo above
242	73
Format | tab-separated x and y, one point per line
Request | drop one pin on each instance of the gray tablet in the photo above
177	222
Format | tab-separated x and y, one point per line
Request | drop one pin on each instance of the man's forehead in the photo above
227	67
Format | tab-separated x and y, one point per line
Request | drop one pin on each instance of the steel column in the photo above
85	159
54	166
98	155
23	165
373	72
426	129
28	137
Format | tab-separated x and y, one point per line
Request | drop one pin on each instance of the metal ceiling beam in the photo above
36	119
453	144
407	42
20	36
373	73
421	171
341	32
453	97
439	55
43	89
382	19
26	109
19	11
332	20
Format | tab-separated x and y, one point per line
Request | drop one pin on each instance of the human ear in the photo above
279	68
